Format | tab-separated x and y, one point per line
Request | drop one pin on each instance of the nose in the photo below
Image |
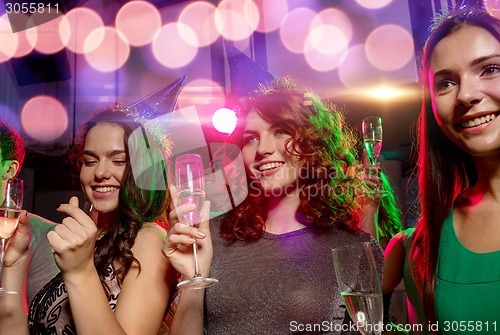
266	146
469	93
102	171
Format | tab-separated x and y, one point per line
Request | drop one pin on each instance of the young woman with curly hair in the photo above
272	253
102	273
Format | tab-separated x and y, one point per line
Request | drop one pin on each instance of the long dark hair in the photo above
136	204
445	171
328	181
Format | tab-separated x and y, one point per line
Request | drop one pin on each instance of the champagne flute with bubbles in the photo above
359	284
190	183
10	210
372	137
371	128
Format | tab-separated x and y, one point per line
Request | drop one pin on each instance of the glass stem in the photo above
197	273
4	241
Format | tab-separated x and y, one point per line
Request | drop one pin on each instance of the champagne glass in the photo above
371	128
372	137
359	283
10	210
190	183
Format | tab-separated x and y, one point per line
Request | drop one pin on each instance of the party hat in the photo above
245	74
158	103
149	145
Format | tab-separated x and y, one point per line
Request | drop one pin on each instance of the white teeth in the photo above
268	166
105	189
478	121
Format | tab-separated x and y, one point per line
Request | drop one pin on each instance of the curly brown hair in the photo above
325	146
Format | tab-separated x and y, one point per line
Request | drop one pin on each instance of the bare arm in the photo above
144	295
13	308
178	248
394	257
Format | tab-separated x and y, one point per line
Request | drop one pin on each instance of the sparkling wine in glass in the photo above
359	284
10	210
190	183
372	137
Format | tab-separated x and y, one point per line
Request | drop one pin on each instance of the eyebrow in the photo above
108	153
475	62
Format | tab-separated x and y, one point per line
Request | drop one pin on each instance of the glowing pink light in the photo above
224	120
334	17
205	94
44	118
77	25
26	38
492	7
170	47
272	14
389	47
199	16
356	71
326	39
111	54
324	62
373	4
138	21
8	40
295	28
49	40
236	19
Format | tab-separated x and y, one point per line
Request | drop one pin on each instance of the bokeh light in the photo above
49	39
356	71
326	39
323	62
236	19
334	17
295	28
26	38
199	16
44	118
271	14
389	47
492	7
111	54
8	40
205	94
224	120
373	4
77	25
171	49
138	21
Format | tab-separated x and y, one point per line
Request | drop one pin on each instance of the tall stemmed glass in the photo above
372	137
10	210
190	183
359	283
371	128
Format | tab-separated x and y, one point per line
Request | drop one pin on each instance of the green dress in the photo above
467	296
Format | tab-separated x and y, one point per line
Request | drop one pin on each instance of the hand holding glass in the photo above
190	183
10	210
359	284
372	137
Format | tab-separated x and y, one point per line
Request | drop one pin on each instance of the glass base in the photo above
197	283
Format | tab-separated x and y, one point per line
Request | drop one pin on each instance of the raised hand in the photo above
73	240
177	246
19	242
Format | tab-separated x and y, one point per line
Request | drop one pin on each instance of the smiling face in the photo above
265	156
464	78
104	161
